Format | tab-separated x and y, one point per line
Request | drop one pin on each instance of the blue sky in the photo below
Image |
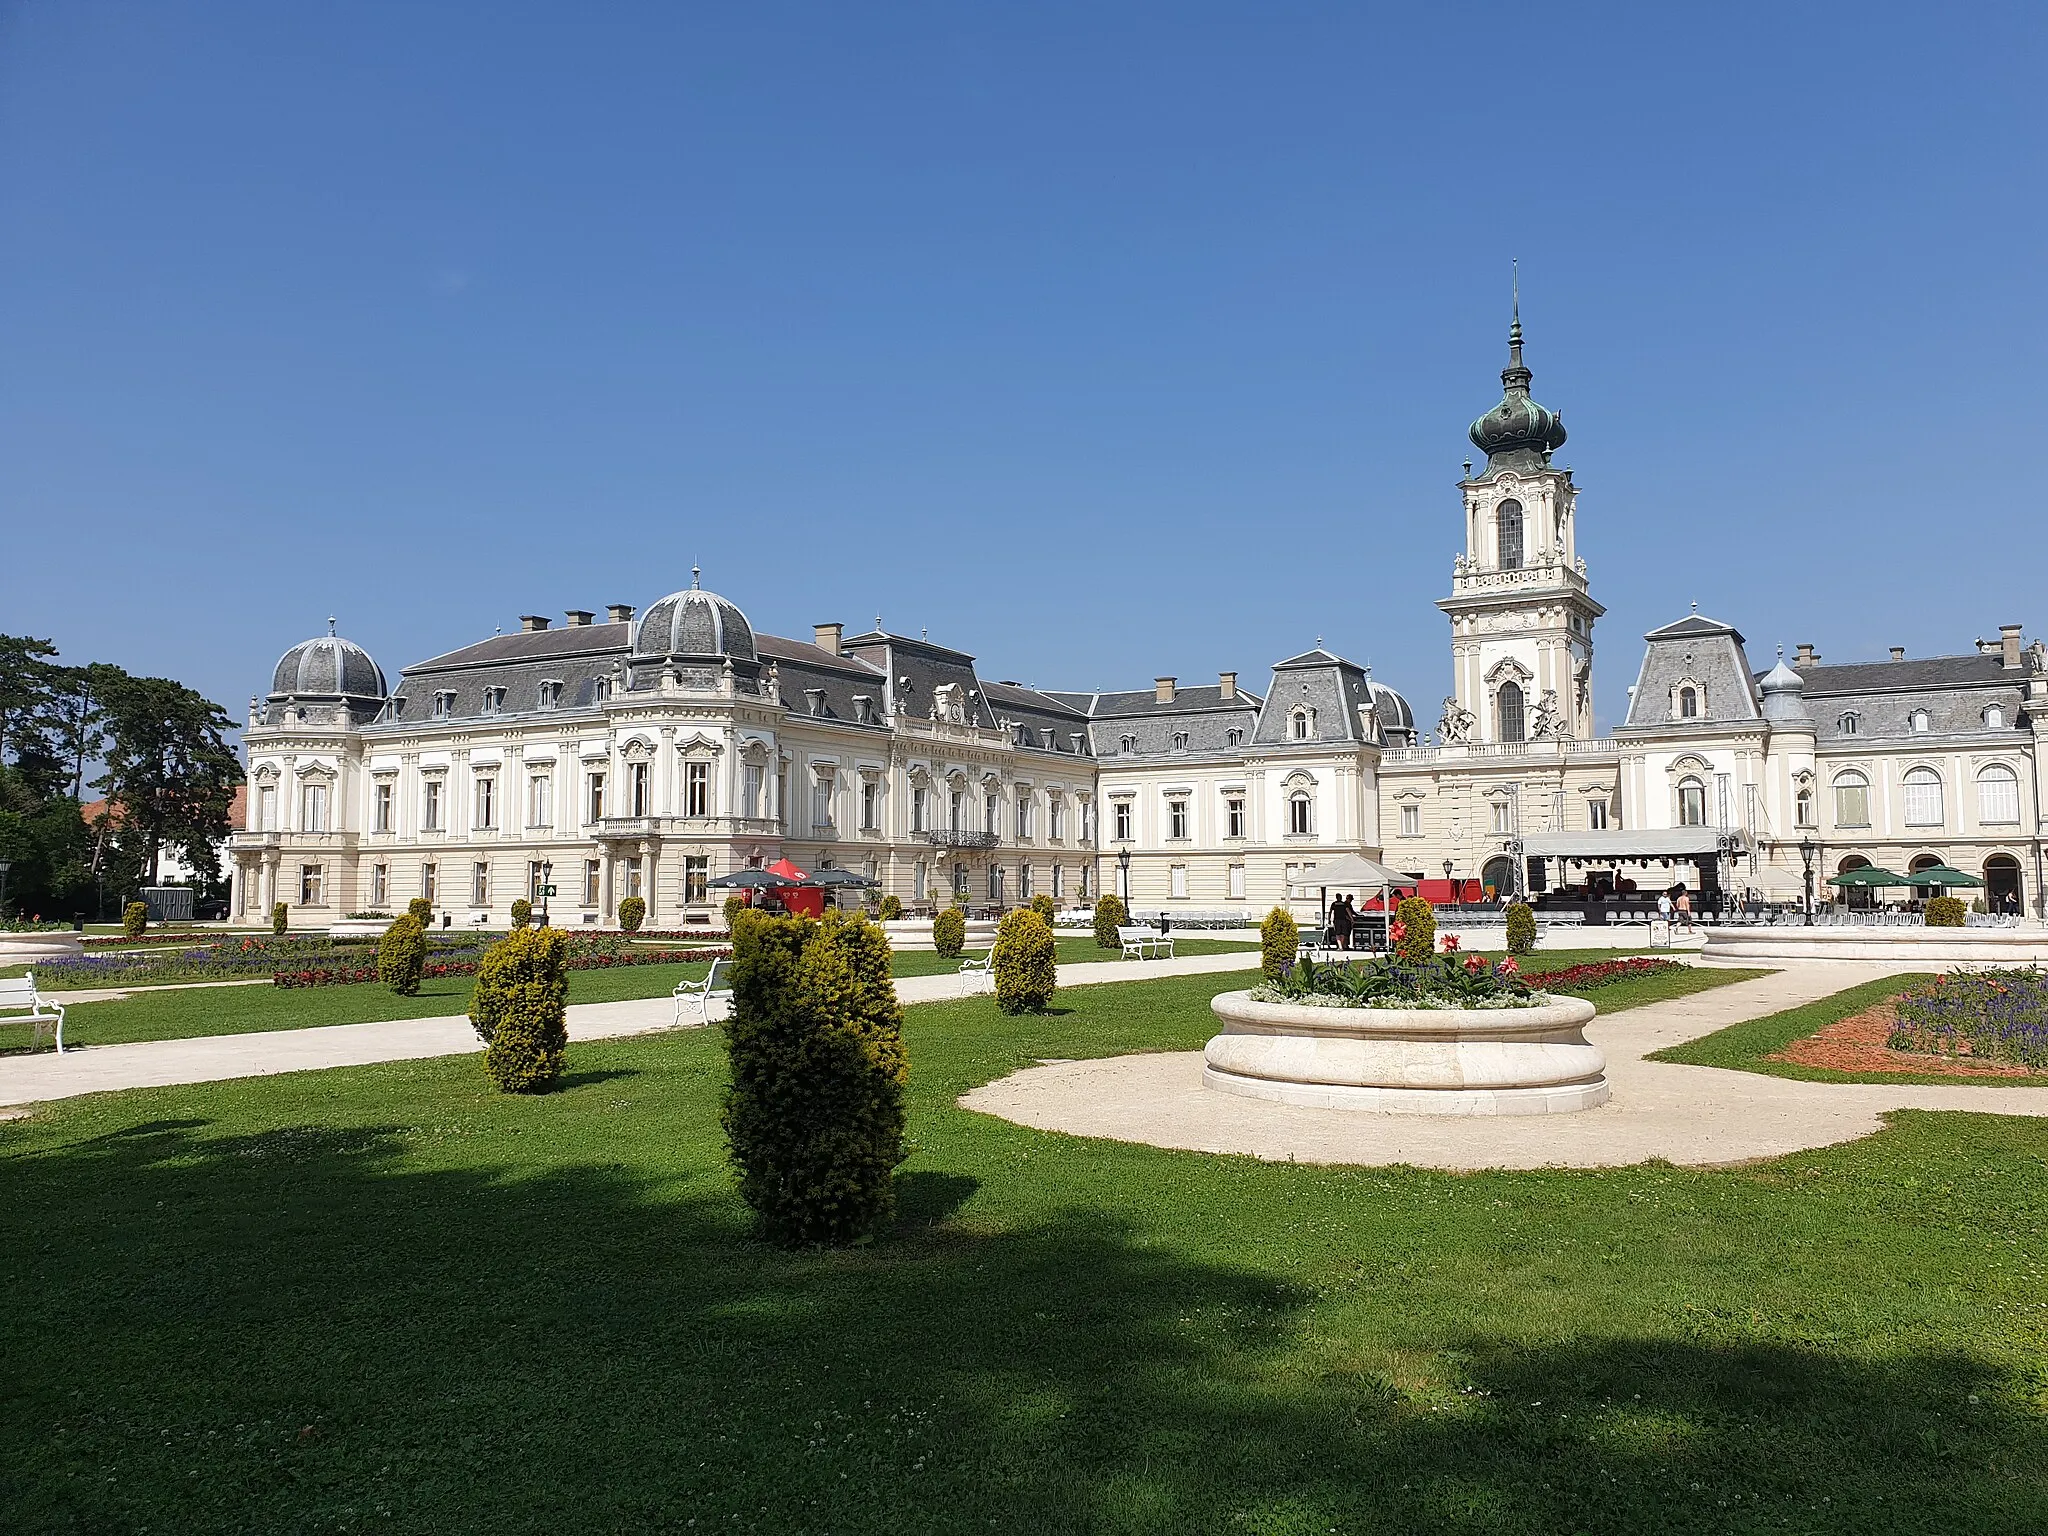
1101	340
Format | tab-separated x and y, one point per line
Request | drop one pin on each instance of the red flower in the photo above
1450	943
1508	968
1474	964
1397	931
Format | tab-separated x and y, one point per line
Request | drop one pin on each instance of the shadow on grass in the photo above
310	1327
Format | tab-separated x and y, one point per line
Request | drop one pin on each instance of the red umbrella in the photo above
788	871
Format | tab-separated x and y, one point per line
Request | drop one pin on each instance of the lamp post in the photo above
1457	895
1123	873
547	887
1806	852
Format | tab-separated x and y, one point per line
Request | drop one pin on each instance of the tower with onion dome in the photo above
1521	614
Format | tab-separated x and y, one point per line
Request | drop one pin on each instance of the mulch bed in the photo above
1857	1044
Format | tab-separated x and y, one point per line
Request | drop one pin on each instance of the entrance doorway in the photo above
1498	875
2002	889
1859	897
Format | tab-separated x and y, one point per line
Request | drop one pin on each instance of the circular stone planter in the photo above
39	948
1414	1061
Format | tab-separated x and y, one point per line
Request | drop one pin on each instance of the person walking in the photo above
1342	921
1683	907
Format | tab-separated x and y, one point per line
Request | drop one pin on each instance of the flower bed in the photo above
1991	1015
1445	980
146	938
248	956
1603	973
579	960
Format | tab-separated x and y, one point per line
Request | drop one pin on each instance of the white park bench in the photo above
1145	944
973	972
20	1003
714	986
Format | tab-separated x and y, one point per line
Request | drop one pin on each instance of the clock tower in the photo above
1521	614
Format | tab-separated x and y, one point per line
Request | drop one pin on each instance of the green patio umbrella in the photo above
1868	876
1941	875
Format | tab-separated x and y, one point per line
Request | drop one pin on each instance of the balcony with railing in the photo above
945	837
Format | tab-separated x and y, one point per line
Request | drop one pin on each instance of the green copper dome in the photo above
1518	433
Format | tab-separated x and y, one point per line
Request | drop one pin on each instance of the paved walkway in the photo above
160	1063
1692	1115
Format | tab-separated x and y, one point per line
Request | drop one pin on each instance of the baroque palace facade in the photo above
652	752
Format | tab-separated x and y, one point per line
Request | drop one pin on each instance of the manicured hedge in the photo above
1415	920
632	913
520	1009
1521	924
949	933
402	956
1279	943
134	918
1110	915
1946	912
1025	962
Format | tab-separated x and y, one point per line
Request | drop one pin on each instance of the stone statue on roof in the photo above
1455	728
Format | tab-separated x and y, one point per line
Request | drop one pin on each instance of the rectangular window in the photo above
1411	821
430	805
1059	881
430	882
633	878
1596	815
1998	796
1177	819
1023	882
638	782
1122	820
313	808
995	882
312	885
1300	815
1852	805
1502	818
697	879
870	806
480	885
536	877
1055	817
991	813
382	803
1233	816
593	876
696	789
920	810
750	790
380	886
1237	882
1081	890
919	882
1923	799
593	798
1177	881
956	810
959	879
821	805
1023	815
266	808
486	803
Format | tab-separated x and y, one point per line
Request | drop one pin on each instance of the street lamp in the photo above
1123	871
1457	895
1806	852
547	888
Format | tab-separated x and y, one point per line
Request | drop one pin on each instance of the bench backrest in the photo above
18	992
717	973
1138	933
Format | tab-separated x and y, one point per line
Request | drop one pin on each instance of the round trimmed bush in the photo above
280	918
814	1110
1045	907
632	913
1521	928
1025	962
402	956
520	1007
522	912
1110	915
891	908
1418	917
421	911
949	933
1279	943
1945	912
134	919
735	904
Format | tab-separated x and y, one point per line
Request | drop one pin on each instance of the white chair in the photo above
712	987
970	968
20	1003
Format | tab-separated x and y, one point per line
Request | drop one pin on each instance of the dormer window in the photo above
863	709
1301	726
1850	724
601	689
1128	744
1234	737
815	699
444	705
494	700
1921	722
1994	718
1688	703
1180	741
550	693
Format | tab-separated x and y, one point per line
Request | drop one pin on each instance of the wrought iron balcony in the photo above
944	838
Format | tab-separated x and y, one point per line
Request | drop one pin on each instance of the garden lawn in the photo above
388	1297
1072	951
1746	1047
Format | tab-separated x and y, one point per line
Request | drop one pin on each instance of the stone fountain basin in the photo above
1424	1061
36	948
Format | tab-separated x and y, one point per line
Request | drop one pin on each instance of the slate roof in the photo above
1696	650
1954	690
814	683
1333	689
1038	721
916	670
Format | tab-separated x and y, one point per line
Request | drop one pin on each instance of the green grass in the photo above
387	1297
1746	1047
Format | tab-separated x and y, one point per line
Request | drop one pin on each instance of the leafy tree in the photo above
30	720
170	769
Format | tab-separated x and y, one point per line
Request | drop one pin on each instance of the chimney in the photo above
531	622
1162	690
1226	685
1807	655
828	637
618	613
579	618
1898	653
2009	646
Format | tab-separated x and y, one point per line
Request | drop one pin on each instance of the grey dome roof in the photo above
327	667
694	622
1784	693
1393	709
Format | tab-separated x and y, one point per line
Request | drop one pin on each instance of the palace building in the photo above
649	753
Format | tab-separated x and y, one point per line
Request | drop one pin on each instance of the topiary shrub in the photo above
134	918
280	918
522	912
519	1008
1417	919
949	933
1110	915
1521	928
1025	962
402	956
734	905
1045	907
1946	912
421	911
814	1110
891	909
632	913
1279	943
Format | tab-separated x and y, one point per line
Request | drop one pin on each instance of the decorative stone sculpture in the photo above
1455	728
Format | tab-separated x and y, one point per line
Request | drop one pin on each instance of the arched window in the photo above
1301	813
1852	800
1850	723
1994	718
1507	526
1303	725
1998	795
1923	798
1802	808
2002	890
1688	703
1922	722
1692	802
1511	712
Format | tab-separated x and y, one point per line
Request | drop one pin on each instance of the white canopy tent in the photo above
1354	872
